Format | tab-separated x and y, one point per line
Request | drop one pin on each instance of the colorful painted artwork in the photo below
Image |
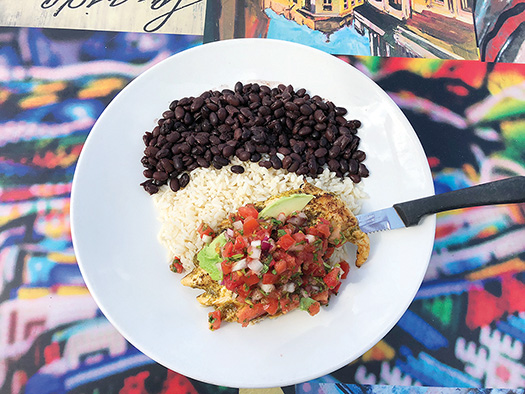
500	29
466	327
409	28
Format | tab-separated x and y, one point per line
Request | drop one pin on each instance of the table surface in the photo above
456	74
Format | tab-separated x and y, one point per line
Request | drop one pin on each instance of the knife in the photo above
409	213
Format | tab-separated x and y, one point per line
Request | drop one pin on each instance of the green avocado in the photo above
286	205
210	255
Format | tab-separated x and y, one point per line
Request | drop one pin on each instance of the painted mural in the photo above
442	29
466	327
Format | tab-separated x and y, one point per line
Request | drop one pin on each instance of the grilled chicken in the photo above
324	205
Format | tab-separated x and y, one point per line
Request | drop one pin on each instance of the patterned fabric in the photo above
466	327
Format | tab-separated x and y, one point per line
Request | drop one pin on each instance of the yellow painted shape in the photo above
4	95
499	81
101	88
275	390
72	291
382	351
49	88
62	258
32	293
495	270
38	101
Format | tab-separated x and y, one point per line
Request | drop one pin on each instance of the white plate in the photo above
115	229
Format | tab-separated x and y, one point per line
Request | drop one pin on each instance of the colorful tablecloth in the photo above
465	328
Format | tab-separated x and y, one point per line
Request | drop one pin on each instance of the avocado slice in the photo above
210	255
286	205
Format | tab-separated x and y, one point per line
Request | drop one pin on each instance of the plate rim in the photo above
431	220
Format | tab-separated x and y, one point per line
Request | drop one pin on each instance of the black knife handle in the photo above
510	190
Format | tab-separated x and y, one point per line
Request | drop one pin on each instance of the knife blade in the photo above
410	213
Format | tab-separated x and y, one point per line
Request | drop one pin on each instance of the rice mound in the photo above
212	194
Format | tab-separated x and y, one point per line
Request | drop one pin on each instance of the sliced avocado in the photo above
286	205
210	255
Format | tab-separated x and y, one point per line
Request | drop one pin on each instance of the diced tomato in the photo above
249	312
269	278
288	305
280	266
250	225
286	241
233	280
299	237
226	267
227	250
323	227
251	280
214	318
248	211
271	305
321	297
332	278
335	290
243	291
262	234
176	266
329	252
204	229
240	244
314	308
345	267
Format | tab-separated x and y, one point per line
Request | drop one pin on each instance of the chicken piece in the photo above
331	208
215	294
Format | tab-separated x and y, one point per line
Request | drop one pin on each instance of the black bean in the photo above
265	164
179	113
355	124
305	109
255	157
177	163
201	161
243	155
343	165
238	87
363	171
174	184
276	162
284	151
355	178
162	153
184	180
359	155
334	151
304	131
353	166
220	160
262	148
214	119
167	165
228	150
160	176
196	104
150	187
148	173
294	166
237	169
320	152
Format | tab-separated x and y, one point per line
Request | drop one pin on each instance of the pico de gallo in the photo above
276	264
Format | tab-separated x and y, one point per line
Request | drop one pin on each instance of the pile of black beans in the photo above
276	127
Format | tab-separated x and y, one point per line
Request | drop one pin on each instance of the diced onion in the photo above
281	217
267	288
256	266
237	225
206	238
257	295
239	265
310	238
229	232
256	243
289	287
254	253
265	246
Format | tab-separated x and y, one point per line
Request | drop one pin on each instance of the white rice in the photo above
212	194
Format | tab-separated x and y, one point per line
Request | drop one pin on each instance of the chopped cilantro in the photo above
281	233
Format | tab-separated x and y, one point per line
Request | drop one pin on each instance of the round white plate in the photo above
115	229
